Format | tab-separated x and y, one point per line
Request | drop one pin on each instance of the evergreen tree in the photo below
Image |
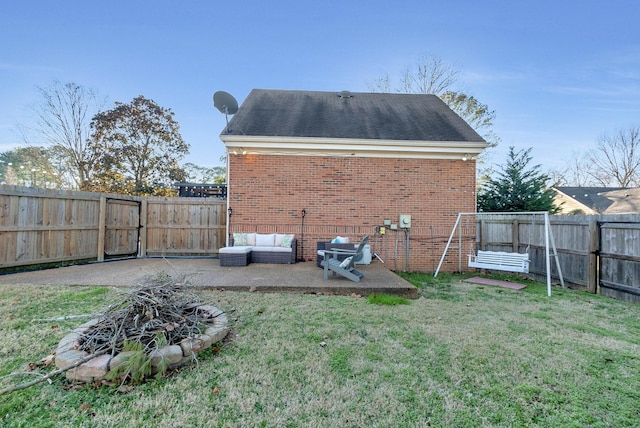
517	187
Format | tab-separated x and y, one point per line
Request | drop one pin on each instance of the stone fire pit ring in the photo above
68	352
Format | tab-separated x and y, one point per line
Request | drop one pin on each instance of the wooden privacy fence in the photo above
40	226
600	253
183	226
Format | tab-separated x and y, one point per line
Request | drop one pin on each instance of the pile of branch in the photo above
161	310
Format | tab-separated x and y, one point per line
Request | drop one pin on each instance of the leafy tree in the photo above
517	187
137	147
200	174
62	123
30	166
476	114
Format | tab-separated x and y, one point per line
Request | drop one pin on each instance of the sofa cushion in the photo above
272	249
251	238
265	239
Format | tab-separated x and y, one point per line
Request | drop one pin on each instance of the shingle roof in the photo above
377	116
592	197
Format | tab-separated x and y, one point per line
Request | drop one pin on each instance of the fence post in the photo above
592	273
142	229
515	237
102	225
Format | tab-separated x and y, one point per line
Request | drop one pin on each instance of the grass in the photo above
387	299
461	355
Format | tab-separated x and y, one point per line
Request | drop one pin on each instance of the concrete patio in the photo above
303	277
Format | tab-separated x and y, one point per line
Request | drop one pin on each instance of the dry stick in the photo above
68	317
52	374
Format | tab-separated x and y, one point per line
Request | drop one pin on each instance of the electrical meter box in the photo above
405	221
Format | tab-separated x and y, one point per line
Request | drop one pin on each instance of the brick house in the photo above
327	164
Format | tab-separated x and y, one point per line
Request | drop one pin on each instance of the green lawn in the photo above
461	355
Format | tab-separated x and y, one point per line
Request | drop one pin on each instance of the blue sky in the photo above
558	73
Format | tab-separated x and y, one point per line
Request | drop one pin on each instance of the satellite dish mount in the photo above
226	104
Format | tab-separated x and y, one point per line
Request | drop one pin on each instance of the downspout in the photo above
229	209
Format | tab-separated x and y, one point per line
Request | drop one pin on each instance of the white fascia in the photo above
308	146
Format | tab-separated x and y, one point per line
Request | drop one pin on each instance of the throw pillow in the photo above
239	239
288	240
345	262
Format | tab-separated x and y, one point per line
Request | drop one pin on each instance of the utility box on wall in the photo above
405	221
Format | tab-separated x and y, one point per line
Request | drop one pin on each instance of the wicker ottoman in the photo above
234	256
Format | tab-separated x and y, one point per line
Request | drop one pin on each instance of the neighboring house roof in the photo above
372	122
623	201
599	200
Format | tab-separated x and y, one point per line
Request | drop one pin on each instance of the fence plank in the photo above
592	276
102	214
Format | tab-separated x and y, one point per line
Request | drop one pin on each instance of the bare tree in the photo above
557	177
431	75
576	172
62	123
381	84
616	159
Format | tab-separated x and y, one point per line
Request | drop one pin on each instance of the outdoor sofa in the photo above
245	248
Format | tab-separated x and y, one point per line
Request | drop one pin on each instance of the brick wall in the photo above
351	196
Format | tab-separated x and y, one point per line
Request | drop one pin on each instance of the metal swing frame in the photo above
505	261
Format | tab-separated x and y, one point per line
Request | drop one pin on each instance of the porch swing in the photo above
502	260
512	262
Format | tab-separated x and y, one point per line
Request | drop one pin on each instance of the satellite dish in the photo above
226	104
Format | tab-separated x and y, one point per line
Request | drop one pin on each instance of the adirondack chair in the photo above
346	268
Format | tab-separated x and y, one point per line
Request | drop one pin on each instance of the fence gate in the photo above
122	228
619	260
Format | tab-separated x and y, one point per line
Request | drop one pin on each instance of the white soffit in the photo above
302	146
